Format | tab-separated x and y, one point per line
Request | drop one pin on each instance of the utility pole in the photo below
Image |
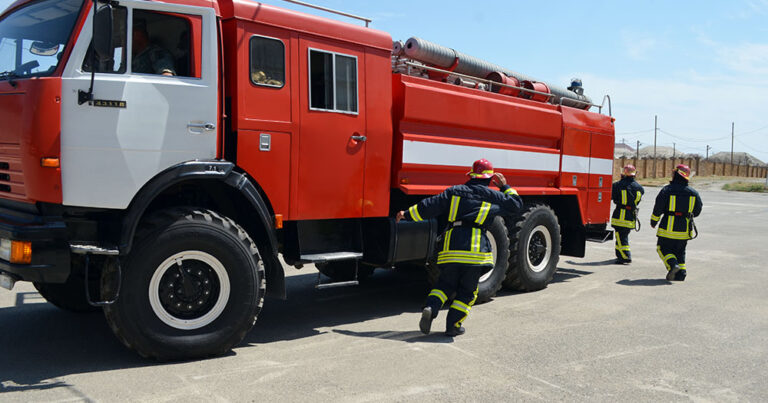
707	157
655	128
732	123
673	150
637	152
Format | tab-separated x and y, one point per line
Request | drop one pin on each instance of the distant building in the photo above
740	158
661	152
623	150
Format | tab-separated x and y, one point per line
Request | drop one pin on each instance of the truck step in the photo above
331	256
336	284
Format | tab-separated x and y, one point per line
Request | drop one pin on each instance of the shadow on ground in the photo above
40	343
600	263
644	282
413	336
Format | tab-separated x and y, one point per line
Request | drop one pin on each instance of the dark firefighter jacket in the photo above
626	194
676	204
470	208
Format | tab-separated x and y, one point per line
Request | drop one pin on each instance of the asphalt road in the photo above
599	332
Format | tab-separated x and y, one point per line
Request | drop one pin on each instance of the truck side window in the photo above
332	81
118	62
162	44
267	62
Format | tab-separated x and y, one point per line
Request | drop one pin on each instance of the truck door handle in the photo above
208	126
359	138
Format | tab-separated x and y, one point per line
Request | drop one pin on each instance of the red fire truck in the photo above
156	158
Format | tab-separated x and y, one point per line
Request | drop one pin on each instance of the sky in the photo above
699	66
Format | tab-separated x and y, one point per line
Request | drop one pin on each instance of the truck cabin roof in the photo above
305	23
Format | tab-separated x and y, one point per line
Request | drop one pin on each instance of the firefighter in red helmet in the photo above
676	206
626	194
465	251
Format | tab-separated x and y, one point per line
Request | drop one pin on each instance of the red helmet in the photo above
683	170
482	169
629	170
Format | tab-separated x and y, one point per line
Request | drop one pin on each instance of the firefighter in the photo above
626	194
465	252
676	205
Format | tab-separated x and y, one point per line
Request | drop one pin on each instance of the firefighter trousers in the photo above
622	243
672	252
456	278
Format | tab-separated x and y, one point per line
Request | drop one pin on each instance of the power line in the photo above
637	132
690	139
752	131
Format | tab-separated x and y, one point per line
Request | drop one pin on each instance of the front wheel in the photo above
535	249
192	286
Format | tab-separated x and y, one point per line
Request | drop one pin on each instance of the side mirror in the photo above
102	32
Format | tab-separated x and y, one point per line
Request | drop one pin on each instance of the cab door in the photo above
140	122
332	134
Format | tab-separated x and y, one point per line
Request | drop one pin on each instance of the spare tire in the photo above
534	249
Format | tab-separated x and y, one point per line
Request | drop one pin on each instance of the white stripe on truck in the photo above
426	153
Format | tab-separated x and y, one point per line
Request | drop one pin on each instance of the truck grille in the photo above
11	173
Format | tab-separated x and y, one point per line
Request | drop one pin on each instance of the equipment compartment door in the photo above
600	176
141	121
332	136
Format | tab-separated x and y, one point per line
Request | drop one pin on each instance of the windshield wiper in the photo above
9	75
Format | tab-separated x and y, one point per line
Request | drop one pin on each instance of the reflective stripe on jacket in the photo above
675	205
626	194
469	208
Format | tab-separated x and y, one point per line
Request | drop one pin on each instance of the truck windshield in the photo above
33	38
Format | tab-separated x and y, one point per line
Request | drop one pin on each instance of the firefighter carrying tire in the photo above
534	249
192	286
490	281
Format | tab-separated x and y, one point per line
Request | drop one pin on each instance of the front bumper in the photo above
50	248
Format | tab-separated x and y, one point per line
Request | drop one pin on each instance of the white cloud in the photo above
693	109
749	58
638	46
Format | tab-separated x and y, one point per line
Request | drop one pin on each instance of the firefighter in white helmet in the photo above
626	194
466	250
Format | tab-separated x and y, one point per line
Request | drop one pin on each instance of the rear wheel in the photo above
192	287
535	249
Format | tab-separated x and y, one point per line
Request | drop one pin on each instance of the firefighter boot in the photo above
672	273
425	324
455	331
680	276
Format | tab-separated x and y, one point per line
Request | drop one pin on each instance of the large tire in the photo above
491	280
535	249
70	296
192	286
344	270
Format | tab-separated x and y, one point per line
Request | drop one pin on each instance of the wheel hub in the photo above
188	290
539	248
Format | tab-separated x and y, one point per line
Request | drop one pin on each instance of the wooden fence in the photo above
698	166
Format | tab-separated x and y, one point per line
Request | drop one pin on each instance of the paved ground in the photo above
599	332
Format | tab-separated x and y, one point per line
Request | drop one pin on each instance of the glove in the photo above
653	224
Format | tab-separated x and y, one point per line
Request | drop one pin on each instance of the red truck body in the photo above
312	162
